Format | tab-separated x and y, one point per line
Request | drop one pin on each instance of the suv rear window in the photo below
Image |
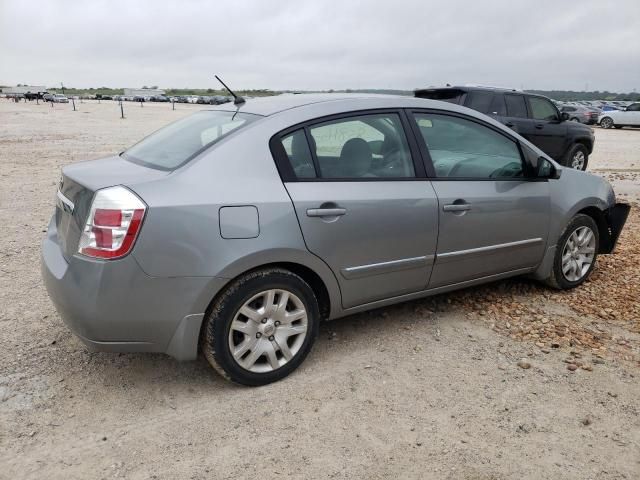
451	95
176	144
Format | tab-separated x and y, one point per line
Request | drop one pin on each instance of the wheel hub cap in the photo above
268	330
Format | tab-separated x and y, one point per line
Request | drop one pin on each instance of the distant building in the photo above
142	92
24	89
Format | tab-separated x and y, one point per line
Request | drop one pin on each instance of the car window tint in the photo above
171	146
461	148
298	153
480	101
634	107
368	146
542	109
444	95
516	106
497	106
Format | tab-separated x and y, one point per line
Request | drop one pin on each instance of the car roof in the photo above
267	106
468	88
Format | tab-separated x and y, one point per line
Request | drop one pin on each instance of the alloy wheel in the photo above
578	254
268	330
606	123
578	160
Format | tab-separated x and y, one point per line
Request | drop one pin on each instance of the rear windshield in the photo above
176	144
451	95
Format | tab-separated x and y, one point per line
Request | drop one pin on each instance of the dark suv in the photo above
533	116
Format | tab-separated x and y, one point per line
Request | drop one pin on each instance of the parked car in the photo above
240	228
203	100
47	97
182	99
59	98
160	98
609	108
579	113
219	100
629	117
533	116
139	98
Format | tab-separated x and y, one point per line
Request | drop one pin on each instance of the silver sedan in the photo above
237	230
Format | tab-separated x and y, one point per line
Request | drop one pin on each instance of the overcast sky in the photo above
322	44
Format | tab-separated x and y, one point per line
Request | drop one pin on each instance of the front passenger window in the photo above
542	109
461	148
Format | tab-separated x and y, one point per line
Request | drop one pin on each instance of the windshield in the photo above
176	144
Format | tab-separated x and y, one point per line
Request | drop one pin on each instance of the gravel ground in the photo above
509	380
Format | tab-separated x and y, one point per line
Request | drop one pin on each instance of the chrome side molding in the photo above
386	267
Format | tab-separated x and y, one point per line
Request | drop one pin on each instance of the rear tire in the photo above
577	157
576	253
261	328
575	119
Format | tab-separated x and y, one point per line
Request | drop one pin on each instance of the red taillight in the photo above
107	218
113	225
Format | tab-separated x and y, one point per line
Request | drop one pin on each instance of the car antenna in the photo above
237	99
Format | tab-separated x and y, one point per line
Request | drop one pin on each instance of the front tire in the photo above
576	253
606	122
577	157
261	327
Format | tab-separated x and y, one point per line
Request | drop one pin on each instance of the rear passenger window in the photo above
367	146
480	101
516	106
461	148
298	153
497	106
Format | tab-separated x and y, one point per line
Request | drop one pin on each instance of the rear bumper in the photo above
616	217
115	306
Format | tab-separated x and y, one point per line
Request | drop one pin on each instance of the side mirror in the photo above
546	169
564	116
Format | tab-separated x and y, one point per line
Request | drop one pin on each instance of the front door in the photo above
492	219
361	205
549	131
632	114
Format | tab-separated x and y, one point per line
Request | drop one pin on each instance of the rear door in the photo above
493	220
516	115
362	202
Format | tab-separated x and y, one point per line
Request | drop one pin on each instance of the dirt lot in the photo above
428	389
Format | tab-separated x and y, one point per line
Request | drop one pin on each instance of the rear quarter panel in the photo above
181	233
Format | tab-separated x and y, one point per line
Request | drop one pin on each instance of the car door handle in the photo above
326	212
539	126
510	124
456	207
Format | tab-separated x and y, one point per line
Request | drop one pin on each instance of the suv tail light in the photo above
113	224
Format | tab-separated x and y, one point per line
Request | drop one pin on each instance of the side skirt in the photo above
430	292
